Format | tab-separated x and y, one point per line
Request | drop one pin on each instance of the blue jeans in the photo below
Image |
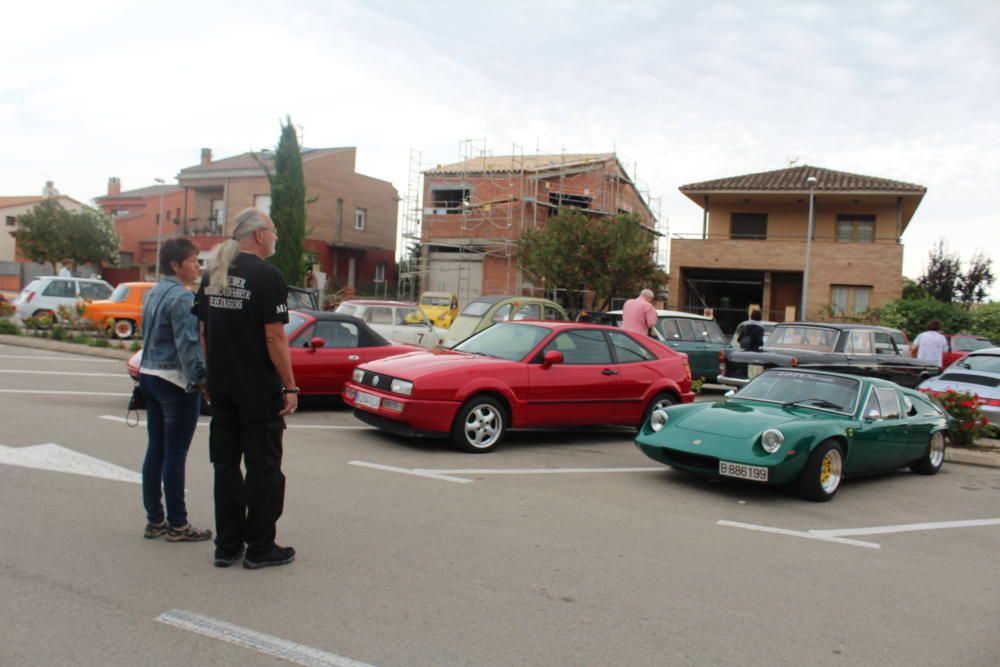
171	417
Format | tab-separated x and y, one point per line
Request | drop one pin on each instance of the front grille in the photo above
693	460
969	378
384	381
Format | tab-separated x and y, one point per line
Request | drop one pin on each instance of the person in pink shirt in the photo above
638	314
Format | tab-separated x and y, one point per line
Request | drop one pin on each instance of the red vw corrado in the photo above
520	375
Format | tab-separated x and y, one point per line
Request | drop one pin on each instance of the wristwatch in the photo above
290	390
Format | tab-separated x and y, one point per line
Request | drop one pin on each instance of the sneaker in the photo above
225	558
154	530
187	533
277	556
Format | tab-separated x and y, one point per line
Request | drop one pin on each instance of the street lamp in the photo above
159	229
811	182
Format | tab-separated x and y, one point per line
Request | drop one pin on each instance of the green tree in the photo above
912	315
986	321
943	273
974	285
48	233
611	256
288	205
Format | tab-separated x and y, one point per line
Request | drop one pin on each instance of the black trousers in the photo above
247	428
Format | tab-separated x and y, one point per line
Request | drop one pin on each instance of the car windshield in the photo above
477	308
435	301
294	322
803	338
966	344
120	293
985	363
827	392
504	341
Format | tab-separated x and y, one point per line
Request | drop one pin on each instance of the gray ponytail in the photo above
245	223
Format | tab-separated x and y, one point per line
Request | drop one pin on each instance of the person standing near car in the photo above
752	338
170	374
638	314
242	306
931	344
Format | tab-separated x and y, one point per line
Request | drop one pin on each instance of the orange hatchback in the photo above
122	311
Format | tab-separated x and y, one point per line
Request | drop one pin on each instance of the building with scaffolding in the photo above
474	212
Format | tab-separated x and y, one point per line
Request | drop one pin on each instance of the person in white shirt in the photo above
67	269
931	344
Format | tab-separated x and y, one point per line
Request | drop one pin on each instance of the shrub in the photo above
913	315
59	333
968	423
135	346
100	342
986	321
80	339
6	308
9	328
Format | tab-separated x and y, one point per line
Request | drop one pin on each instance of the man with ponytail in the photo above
242	308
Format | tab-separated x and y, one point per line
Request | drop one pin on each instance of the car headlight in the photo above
358	375
658	420
403	387
771	440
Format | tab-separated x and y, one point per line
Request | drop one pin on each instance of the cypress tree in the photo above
288	205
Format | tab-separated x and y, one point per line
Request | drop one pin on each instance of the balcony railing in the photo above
817	238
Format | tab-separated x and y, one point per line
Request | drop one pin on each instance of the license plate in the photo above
743	471
367	400
753	370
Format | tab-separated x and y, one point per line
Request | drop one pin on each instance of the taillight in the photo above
992	402
795	363
31	295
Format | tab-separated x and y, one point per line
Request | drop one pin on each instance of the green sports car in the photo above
801	427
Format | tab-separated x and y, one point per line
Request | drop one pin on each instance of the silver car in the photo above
976	373
399	322
45	294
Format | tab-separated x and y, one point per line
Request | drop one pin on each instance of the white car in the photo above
399	322
45	294
976	373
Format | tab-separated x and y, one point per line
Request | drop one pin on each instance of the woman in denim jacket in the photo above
170	376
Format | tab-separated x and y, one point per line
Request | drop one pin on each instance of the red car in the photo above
960	345
520	375
325	348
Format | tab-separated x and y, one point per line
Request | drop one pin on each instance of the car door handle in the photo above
609	371
353	357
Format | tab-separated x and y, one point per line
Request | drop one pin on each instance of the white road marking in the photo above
76	373
410	471
908	527
534	471
73	359
123	420
798	533
291	651
60	459
59	392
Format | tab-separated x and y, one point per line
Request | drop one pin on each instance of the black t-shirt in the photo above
234	319
753	337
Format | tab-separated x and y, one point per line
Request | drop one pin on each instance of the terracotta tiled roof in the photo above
249	160
503	163
149	191
793	179
19	201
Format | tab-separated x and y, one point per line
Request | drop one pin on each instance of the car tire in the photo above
824	471
124	329
933	458
43	312
480	425
662	400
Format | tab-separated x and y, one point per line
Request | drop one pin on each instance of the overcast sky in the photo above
684	91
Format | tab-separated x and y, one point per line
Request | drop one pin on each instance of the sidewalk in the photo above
988	456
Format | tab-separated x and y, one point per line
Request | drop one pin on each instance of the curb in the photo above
973	457
59	346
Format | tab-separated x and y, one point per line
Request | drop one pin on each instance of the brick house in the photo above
351	218
752	247
15	270
474	212
136	215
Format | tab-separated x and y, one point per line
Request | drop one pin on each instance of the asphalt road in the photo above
561	548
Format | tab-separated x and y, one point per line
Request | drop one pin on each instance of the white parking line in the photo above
88	360
798	533
410	471
907	527
327	427
59	392
535	471
291	651
76	373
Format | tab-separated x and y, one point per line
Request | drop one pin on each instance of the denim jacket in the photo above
170	332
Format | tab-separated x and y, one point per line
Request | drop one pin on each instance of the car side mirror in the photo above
873	415
552	357
315	343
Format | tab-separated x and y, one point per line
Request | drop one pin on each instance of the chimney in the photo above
49	190
114	186
206	156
